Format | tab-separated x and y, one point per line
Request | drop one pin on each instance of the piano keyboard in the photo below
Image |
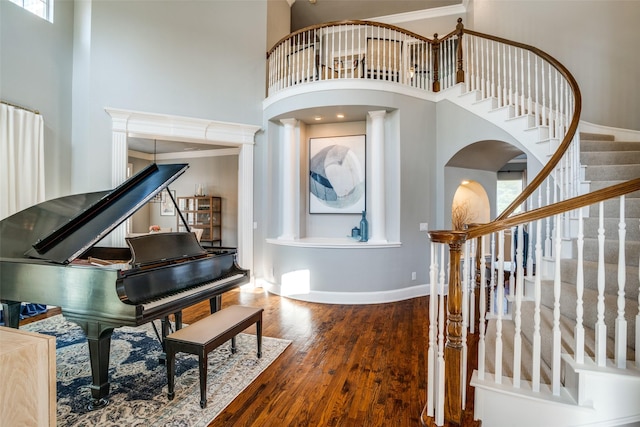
180	295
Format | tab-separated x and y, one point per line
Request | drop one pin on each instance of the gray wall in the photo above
202	59
410	131
219	177
35	72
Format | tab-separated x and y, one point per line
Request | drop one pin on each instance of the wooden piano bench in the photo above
205	335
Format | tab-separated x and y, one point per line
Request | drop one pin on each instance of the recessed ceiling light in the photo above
340	116
317	118
465	182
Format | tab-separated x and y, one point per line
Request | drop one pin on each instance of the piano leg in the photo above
99	344
11	313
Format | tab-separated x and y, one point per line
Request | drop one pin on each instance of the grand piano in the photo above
50	254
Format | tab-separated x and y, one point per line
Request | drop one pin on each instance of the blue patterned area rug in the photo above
138	395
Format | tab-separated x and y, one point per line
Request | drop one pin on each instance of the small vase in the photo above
364	227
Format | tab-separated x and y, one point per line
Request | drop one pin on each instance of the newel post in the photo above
436	60
453	347
460	71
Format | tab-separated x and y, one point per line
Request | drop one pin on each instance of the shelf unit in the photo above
203	212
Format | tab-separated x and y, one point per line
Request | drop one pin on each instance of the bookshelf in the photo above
203	212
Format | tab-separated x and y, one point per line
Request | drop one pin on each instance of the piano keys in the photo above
44	258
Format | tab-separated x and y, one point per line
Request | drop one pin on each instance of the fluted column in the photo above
377	219
120	159
289	179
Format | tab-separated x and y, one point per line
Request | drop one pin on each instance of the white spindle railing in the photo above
497	313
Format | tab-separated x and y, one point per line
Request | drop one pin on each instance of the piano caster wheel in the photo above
203	404
170	396
97	404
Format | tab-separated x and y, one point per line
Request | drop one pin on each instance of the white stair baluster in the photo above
557	338
433	323
512	265
535	377
465	320
517	340
439	417
579	329
483	309
499	308
492	284
601	328
472	288
621	323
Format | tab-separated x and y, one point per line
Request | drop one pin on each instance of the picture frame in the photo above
337	174
167	208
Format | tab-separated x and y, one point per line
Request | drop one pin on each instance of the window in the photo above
507	190
42	8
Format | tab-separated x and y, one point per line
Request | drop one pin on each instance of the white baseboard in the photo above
375	297
618	133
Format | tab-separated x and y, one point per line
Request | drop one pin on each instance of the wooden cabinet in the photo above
28	373
205	213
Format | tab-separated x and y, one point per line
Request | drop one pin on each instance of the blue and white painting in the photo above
337	174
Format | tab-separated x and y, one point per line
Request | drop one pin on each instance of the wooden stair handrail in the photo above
556	208
347	22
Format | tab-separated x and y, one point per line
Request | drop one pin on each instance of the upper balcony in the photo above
364	51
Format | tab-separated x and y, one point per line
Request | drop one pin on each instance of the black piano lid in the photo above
65	243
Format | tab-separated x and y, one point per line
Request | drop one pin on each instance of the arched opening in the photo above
470	205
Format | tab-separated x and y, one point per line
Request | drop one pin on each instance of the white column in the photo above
245	207
289	177
119	160
377	218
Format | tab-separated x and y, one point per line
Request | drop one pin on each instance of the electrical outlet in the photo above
424	226
413	275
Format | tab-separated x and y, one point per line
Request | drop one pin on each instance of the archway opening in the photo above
470	205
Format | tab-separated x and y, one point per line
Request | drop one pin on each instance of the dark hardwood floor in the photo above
347	365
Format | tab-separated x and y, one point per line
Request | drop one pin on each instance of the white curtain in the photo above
21	159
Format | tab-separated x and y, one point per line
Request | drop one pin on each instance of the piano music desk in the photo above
205	335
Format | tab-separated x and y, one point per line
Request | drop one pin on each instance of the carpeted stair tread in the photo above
599	185
567	327
632	228
599	145
569	296
612	209
612	172
569	269
632	251
586	136
610	157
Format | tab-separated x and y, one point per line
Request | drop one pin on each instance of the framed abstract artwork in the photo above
337	174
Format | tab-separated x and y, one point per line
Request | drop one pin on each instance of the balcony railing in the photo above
361	50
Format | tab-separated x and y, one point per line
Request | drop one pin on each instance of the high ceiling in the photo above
310	12
305	13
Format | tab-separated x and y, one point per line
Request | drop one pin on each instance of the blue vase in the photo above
364	227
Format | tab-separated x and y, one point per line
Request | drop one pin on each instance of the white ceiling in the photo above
305	12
